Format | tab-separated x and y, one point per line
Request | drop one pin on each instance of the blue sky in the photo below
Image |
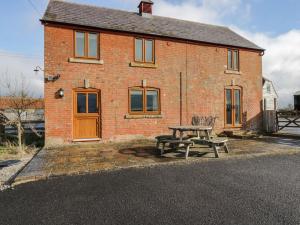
272	24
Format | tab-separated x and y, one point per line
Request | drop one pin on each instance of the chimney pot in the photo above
145	7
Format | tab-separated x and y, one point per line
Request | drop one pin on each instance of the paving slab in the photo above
80	159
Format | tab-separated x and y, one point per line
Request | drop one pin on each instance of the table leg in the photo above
174	134
187	151
181	135
198	134
207	135
215	148
226	148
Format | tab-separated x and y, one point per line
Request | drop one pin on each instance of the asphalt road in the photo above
264	190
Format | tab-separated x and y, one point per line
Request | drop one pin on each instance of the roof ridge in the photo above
120	10
91	5
128	21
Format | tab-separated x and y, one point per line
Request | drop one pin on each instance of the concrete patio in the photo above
90	158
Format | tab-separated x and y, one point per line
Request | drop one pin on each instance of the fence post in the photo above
269	121
2	132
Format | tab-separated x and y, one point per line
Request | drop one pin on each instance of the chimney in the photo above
145	8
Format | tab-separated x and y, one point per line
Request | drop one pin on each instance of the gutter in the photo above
47	22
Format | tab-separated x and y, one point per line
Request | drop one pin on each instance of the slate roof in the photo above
118	20
266	79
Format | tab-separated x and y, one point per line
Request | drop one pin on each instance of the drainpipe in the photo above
180	83
186	83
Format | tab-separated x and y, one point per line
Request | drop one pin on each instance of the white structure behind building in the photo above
270	96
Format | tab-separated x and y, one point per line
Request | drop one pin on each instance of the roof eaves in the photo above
46	20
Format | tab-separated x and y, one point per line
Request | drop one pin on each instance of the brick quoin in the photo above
203	82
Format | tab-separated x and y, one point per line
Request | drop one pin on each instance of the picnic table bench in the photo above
217	143
187	144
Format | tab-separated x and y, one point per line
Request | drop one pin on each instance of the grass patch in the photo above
5	150
9	146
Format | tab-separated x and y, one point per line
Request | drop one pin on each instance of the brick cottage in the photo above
112	74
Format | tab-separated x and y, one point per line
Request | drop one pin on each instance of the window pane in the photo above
152	100
235	60
81	103
138	50
229	57
79	44
237	100
149	51
228	107
268	88
93	45
136	98
92	103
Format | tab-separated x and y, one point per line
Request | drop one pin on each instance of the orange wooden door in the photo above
86	114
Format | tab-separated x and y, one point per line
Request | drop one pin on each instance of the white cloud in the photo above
206	11
13	66
281	61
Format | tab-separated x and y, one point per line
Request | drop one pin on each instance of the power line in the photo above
34	8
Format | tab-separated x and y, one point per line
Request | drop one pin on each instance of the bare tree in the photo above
18	99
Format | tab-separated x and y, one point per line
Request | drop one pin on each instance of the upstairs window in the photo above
233	62
144	50
268	88
86	45
144	101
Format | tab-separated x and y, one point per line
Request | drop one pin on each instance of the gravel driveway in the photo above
9	168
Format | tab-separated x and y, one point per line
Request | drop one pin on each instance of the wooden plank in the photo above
288	119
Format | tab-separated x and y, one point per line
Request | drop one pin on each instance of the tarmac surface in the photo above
254	190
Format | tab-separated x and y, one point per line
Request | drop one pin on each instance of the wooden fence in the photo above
269	121
36	126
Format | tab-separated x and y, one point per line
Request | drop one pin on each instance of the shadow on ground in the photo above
7	163
169	154
89	158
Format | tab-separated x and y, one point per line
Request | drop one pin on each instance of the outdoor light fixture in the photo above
61	92
49	77
37	69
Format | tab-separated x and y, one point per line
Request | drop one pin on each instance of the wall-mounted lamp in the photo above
61	92
49	77
37	69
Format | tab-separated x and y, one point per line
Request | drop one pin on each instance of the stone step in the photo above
240	134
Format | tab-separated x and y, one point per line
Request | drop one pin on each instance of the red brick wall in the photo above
203	77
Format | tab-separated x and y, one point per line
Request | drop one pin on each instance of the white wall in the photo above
269	96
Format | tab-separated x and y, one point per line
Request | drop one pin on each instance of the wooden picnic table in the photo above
182	129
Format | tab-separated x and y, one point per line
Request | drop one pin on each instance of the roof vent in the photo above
145	8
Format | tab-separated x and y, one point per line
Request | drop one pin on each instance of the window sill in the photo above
128	116
143	65
233	72
87	61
